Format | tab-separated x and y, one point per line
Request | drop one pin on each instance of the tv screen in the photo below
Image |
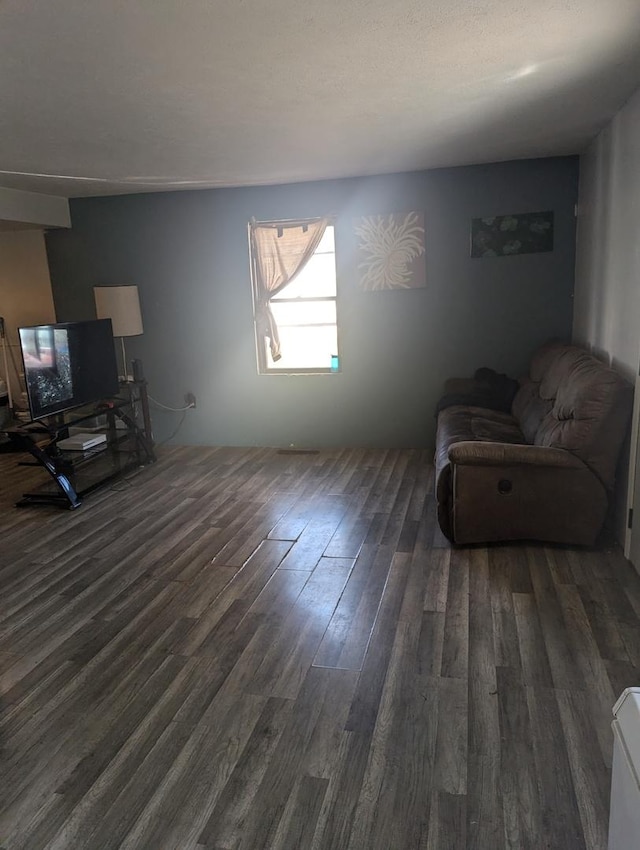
68	365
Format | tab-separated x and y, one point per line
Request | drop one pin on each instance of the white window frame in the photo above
262	355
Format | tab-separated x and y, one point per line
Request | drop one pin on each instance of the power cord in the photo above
177	428
166	406
182	410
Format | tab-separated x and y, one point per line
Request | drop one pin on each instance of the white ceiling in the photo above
160	94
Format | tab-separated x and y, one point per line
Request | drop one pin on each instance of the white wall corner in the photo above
32	208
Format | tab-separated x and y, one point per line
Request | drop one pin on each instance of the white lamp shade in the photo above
122	305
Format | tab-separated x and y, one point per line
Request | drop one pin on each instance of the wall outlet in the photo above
190	399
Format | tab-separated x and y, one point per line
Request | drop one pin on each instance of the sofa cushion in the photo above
534	400
529	409
461	423
590	414
543	358
560	368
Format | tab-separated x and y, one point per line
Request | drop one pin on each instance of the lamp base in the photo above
137	373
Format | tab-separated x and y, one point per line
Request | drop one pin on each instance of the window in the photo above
305	312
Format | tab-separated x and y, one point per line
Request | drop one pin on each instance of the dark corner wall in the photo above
188	254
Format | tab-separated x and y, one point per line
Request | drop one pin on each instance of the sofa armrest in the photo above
514	491
479	453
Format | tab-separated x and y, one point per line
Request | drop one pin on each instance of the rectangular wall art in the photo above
391	252
506	235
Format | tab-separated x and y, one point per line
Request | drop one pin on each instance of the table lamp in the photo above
121	304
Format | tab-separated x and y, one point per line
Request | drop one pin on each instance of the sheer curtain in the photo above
279	250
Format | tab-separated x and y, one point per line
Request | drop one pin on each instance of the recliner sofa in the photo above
543	471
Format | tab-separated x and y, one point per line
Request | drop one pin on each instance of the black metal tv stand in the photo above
74	474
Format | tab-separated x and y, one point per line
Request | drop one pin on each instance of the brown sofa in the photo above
546	469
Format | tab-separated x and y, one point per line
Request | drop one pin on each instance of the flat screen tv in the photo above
68	365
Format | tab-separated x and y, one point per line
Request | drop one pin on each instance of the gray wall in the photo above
187	251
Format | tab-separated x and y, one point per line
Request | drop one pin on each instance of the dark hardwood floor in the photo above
240	649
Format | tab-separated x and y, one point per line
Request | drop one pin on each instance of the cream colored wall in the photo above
607	292
25	287
33	209
607	289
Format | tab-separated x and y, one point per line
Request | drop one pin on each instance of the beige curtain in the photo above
279	251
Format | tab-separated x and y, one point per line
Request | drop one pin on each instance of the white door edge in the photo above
633	460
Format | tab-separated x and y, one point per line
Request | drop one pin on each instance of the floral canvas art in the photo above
505	235
391	253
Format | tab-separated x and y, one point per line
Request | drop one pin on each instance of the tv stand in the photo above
74	474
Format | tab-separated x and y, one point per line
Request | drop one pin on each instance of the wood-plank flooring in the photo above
242	649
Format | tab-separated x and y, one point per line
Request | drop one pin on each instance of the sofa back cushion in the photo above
529	408
584	407
543	359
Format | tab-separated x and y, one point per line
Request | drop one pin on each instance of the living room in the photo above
266	569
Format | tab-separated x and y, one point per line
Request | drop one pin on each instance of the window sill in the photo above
296	372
